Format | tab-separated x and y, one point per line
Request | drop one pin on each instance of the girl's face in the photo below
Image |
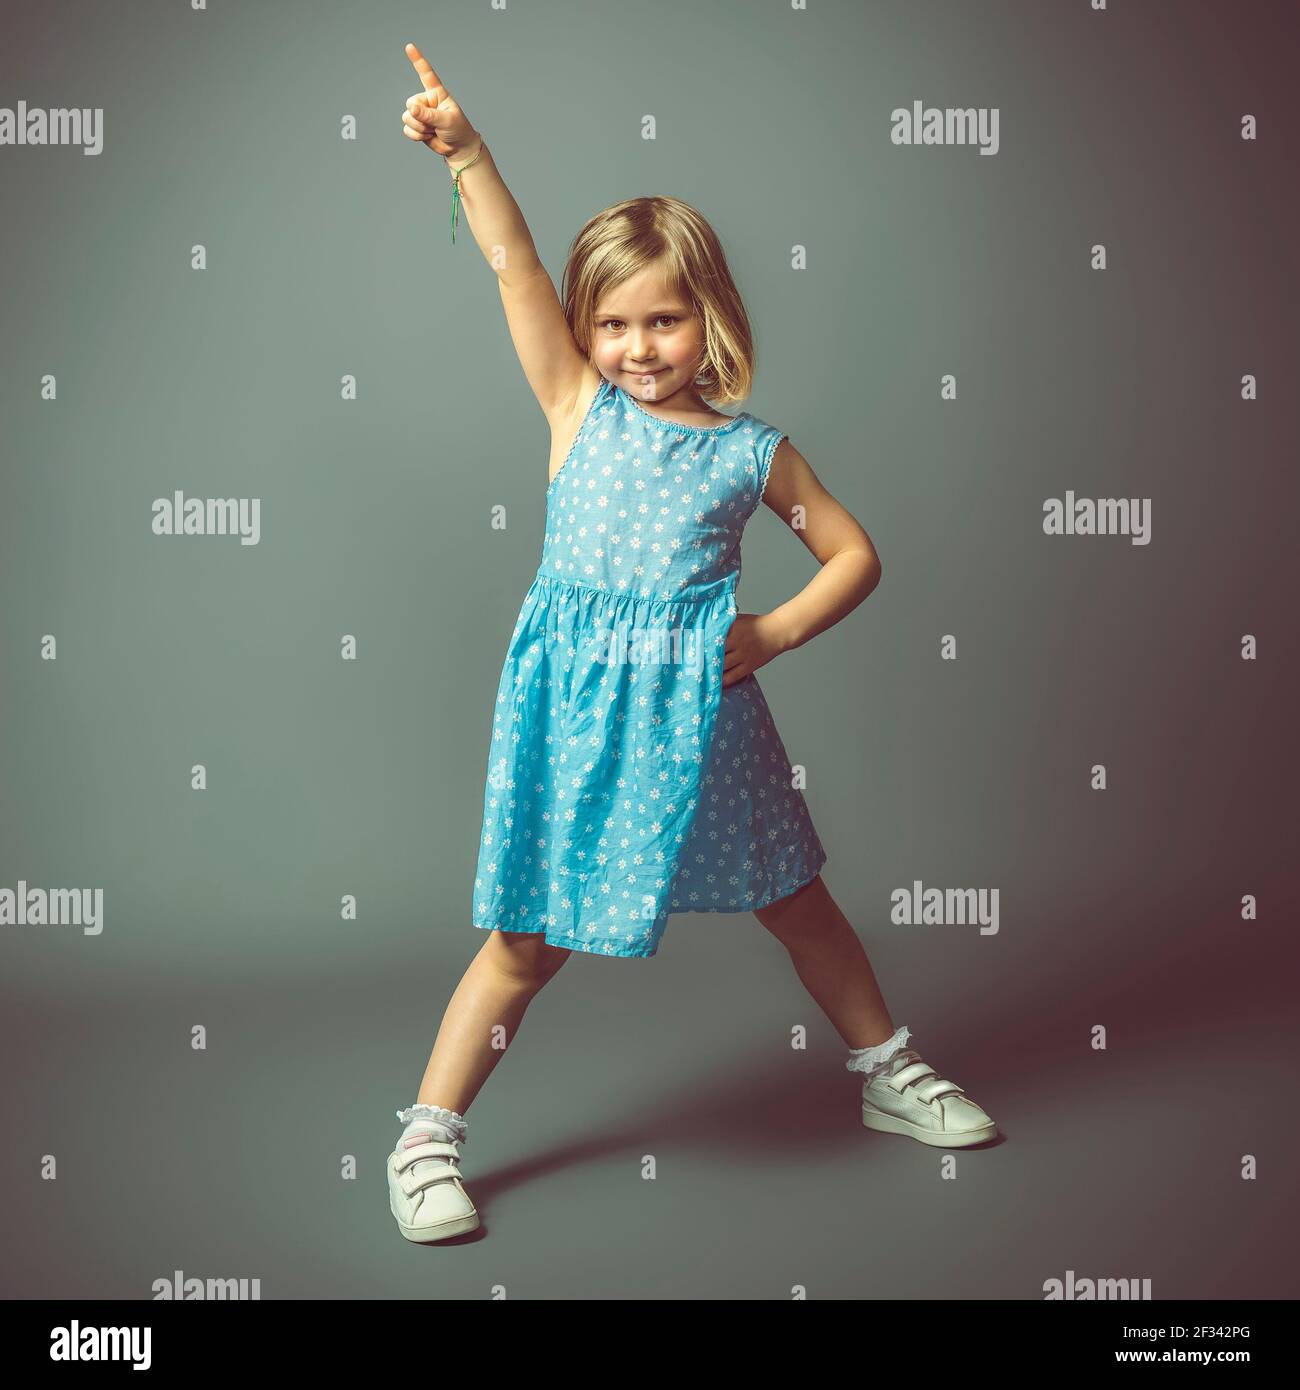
647	339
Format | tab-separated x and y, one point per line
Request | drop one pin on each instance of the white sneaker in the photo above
425	1192
909	1097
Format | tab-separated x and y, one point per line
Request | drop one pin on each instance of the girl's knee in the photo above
791	917
527	955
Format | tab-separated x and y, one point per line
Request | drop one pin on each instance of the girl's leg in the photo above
495	991
830	960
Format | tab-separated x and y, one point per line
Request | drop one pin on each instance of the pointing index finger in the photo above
427	74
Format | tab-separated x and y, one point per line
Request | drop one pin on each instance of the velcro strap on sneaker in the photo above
435	1148
932	1089
428	1176
914	1071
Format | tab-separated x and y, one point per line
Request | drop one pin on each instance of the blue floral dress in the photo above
624	781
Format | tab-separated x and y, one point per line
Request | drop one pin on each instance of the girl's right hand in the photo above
433	118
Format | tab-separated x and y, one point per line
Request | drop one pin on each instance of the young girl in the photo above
634	767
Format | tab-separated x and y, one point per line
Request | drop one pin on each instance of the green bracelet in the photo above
455	187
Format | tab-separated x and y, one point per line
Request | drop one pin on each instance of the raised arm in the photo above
551	360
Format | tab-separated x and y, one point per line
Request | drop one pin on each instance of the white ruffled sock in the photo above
446	1124
871	1060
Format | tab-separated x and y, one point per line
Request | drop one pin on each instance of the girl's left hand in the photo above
752	641
433	116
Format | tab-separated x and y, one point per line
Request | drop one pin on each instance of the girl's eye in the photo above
669	318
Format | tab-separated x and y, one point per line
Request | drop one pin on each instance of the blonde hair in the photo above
626	238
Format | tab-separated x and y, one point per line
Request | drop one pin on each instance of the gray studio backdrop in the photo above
328	258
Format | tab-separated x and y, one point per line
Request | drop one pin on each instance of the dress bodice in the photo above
650	507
